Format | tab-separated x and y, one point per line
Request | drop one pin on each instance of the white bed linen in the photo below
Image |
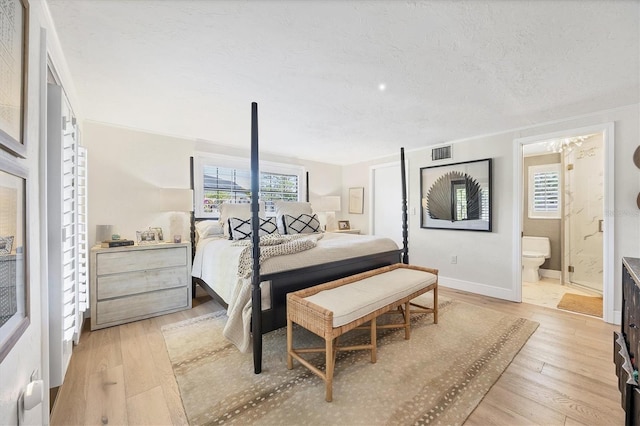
216	263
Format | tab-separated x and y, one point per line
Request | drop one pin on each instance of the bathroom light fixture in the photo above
566	144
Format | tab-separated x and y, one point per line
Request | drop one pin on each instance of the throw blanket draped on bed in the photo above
238	326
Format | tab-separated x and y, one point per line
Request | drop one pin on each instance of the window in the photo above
219	179
544	191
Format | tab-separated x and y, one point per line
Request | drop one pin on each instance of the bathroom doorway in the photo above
579	162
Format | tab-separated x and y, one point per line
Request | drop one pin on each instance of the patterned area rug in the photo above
582	304
437	377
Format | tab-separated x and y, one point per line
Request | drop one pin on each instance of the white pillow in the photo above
207	228
292	208
240	210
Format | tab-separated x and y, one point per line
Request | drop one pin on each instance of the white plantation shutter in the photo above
544	191
67	251
82	291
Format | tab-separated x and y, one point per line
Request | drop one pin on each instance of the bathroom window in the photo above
544	191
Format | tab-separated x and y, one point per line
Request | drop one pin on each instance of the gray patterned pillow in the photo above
240	229
303	224
5	244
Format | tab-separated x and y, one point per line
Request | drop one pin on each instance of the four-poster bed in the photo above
281	282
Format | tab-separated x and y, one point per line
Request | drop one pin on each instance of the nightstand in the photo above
347	231
136	282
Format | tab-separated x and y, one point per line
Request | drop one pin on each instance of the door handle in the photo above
600	225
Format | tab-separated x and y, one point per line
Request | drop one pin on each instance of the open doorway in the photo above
565	187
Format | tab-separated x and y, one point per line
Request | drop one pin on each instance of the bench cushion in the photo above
360	298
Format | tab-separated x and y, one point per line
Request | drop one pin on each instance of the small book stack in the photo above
116	243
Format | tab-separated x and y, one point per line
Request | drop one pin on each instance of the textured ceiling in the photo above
452	69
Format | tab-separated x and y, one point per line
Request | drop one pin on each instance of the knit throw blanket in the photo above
238	326
273	245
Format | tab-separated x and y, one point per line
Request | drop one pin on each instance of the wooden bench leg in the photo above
374	341
330	357
289	343
407	320
435	305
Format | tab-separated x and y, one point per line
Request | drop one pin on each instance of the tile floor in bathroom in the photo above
548	292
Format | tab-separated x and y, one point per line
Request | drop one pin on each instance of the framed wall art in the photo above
14	34
356	200
456	196
14	283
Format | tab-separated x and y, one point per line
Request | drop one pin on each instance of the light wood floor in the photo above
564	375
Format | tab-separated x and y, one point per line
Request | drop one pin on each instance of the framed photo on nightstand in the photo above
343	225
146	237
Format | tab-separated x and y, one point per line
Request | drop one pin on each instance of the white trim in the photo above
617	317
608	284
550	273
473	287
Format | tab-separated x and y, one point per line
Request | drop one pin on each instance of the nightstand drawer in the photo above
131	283
135	260
142	305
116	285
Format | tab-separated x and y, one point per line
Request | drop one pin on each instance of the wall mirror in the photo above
457	196
14	290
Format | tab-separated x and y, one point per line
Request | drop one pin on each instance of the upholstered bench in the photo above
331	309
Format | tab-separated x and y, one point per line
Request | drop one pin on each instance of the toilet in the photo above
534	252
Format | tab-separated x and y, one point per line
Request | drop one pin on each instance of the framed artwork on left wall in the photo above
14	282
14	42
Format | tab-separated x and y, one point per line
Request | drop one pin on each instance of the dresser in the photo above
136	282
626	342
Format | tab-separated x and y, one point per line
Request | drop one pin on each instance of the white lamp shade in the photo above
330	203
177	200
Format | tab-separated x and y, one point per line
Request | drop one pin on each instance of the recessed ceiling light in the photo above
382	87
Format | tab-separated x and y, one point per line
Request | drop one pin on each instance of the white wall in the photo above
485	263
128	167
30	352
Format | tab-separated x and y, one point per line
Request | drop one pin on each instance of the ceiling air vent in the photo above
441	153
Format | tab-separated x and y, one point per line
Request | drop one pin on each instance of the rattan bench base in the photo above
319	320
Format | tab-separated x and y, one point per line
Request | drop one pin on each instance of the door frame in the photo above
608	260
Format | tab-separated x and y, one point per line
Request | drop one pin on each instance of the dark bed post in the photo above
405	232
192	227
256	299
307	186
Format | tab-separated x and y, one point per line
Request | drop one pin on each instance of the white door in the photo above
387	202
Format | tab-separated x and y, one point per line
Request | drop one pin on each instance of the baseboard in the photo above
477	288
551	273
617	317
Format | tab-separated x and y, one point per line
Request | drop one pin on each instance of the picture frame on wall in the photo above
14	42
14	280
456	196
356	200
